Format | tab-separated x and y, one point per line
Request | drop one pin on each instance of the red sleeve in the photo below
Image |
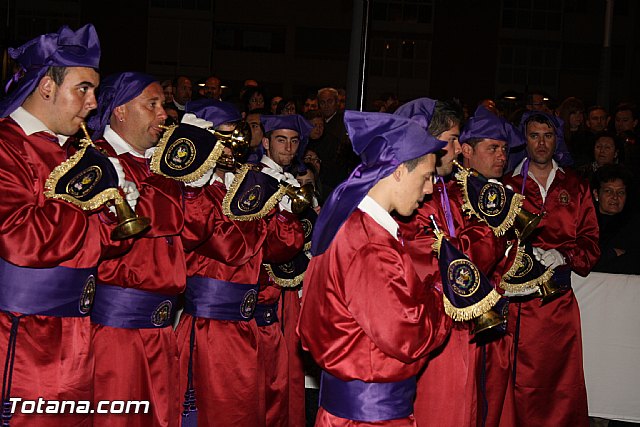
35	231
230	242
285	237
405	322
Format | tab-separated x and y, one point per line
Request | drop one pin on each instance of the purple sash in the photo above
57	291
360	401
132	308
266	314
217	299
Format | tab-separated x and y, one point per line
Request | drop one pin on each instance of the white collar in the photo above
119	145
554	168
268	161
30	124
372	208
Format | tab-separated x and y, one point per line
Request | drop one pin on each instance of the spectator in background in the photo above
252	99
626	121
342	99
167	89
212	88
286	107
538	101
253	119
172	115
571	111
619	250
310	103
605	152
182	93
273	104
597	120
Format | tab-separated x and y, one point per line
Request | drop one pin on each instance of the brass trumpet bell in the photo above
526	222
238	141
488	320
301	197
129	224
549	291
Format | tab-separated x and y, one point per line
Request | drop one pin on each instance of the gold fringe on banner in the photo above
527	286
285	283
64	167
472	311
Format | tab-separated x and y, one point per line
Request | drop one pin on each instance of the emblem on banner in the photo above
250	199
180	154
492	199
464	277
525	268
84	182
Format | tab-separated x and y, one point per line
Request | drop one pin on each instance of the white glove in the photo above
551	258
131	193
191	119
148	153
285	203
119	170
204	180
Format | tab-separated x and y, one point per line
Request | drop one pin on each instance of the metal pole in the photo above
356	71
604	87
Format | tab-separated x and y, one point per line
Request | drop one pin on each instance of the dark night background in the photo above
471	49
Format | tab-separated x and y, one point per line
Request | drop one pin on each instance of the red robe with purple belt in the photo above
365	314
285	240
142	364
225	354
457	388
54	356
549	383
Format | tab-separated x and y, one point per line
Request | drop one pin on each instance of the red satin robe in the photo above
365	313
142	364
282	375
54	356
451	389
549	384
225	355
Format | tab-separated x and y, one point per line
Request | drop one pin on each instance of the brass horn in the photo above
238	141
301	197
549	290
486	321
129	224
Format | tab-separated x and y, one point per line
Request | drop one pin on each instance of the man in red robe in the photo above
136	348
549	378
218	334
49	248
465	382
367	318
283	375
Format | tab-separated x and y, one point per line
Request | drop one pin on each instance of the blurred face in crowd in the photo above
69	103
327	104
312	157
541	143
289	109
611	197
597	120
282	146
274	104
212	88
318	128
310	105
138	121
411	186
444	165
604	151
256	130
307	178
625	121
576	119
488	157
183	91
256	101
168	93
538	103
